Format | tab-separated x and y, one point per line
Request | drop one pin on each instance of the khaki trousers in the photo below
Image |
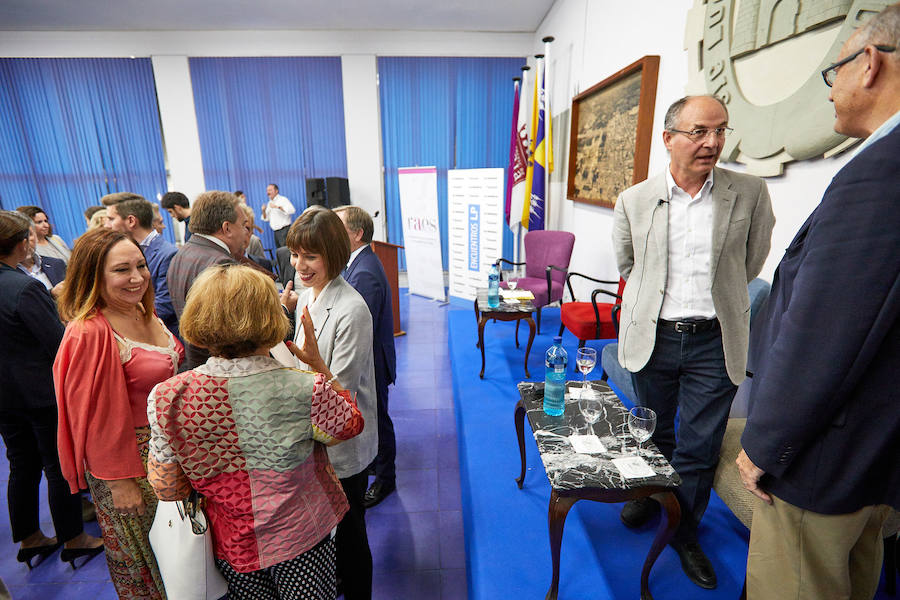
797	554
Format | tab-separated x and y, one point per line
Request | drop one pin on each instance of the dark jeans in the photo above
280	236
686	373
30	438
385	467
354	559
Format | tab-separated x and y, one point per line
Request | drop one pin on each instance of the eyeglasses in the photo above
697	135
830	73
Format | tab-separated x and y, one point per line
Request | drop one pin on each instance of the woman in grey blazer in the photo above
320	249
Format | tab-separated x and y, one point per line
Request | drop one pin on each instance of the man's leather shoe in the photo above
378	491
637	512
694	563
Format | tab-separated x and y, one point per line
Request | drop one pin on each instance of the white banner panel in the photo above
421	231
475	199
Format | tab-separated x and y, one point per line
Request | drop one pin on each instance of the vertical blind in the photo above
75	129
269	120
452	113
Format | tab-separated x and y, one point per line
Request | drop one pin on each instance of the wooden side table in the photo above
517	311
575	477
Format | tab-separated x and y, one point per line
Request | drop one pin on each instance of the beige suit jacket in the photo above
742	231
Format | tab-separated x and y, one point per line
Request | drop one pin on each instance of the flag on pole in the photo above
513	146
532	137
538	182
519	161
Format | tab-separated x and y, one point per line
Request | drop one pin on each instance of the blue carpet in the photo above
507	542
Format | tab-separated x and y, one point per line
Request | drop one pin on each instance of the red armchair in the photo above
592	320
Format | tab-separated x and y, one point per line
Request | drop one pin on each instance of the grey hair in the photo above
883	28
673	115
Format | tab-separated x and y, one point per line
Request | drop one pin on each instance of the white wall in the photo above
602	36
358	50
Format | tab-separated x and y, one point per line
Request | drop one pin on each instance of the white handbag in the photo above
182	543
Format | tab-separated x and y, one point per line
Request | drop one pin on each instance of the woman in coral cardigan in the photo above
250	435
113	352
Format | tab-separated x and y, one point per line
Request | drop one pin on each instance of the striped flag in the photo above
518	160
539	173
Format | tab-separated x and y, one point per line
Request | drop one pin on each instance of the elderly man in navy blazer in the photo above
366	274
131	214
822	438
221	232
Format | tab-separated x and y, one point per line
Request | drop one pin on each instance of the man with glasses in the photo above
687	242
821	440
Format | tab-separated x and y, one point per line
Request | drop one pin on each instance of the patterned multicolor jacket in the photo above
250	435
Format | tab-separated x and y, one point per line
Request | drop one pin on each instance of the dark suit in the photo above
197	254
31	332
366	275
54	269
159	253
824	421
286	271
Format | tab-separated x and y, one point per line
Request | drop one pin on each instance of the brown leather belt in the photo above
689	326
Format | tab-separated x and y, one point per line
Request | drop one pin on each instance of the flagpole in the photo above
522	90
548	137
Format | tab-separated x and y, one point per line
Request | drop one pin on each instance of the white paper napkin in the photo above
633	467
587	444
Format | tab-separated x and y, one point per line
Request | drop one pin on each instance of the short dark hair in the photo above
141	209
319	230
172	199
32	211
14	227
274	185
90	211
358	219
116	198
240	193
674	112
211	209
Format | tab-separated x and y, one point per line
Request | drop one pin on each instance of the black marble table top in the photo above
523	306
568	470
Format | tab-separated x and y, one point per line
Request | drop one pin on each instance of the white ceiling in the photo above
519	16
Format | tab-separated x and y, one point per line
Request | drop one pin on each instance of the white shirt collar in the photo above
355	253
670	183
146	241
886	127
215	240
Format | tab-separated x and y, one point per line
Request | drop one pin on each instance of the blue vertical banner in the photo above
474	229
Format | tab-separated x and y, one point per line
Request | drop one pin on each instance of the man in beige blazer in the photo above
687	242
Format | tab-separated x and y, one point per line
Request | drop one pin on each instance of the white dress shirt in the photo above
279	212
688	291
355	253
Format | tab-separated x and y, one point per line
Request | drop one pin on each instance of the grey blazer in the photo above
742	232
343	326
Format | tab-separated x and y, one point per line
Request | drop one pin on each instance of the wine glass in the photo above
591	407
585	361
641	424
512	283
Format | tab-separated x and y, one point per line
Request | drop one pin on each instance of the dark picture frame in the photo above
610	134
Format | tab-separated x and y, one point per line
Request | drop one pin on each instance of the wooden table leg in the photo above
517	331
520	433
481	323
559	508
667	527
530	340
477	319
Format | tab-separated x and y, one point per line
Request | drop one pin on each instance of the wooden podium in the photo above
387	254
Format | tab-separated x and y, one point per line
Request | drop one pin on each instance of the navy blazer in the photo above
159	253
54	269
824	419
31	332
366	275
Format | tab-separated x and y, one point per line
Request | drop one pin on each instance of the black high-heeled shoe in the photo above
70	554
25	555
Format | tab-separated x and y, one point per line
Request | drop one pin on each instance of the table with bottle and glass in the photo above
596	450
520	310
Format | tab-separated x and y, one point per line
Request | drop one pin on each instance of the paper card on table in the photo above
632	467
587	444
517	294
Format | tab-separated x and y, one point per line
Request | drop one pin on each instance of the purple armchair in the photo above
547	256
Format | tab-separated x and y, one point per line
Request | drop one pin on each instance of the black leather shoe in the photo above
637	512
694	563
378	491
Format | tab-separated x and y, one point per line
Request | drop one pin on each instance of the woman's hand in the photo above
309	352
126	496
289	297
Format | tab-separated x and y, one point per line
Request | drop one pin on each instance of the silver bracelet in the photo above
330	381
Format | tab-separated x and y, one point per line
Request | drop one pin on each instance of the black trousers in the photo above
686	373
354	559
280	236
30	438
385	461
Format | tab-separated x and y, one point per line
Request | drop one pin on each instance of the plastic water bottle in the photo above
494	287
555	363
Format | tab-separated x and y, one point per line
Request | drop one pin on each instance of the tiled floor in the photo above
416	534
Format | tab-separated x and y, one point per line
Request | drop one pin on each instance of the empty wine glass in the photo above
585	361
512	283
641	424
591	407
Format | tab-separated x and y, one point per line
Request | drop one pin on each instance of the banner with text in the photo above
475	199
421	231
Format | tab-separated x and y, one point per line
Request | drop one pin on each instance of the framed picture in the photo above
609	143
